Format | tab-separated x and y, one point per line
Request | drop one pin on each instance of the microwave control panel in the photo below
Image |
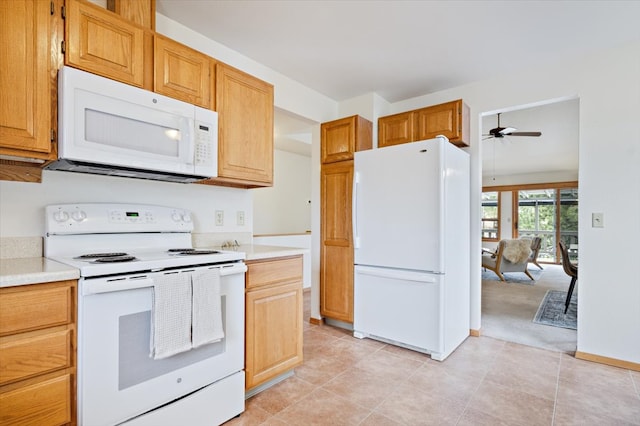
204	144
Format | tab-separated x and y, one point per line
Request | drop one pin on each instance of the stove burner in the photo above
189	252
100	255
180	250
114	259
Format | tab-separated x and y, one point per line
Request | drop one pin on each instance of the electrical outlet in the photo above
219	217
240	218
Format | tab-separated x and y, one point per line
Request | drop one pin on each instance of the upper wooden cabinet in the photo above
450	119
245	129
29	43
341	138
396	129
142	12
103	43
182	72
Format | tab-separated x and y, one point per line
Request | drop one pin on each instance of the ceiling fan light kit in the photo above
500	132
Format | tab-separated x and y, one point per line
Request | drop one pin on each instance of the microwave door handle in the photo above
186	125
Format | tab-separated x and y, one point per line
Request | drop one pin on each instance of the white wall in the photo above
22	204
608	87
285	207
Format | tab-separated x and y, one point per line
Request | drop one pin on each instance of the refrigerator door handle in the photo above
398	274
354	211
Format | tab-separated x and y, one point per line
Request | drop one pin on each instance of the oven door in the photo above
117	379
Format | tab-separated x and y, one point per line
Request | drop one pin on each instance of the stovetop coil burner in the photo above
100	255
115	259
191	251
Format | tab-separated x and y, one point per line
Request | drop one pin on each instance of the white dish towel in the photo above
171	315
207	308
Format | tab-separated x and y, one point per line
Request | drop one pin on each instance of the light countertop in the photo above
258	251
34	270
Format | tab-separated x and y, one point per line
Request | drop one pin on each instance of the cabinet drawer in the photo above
34	309
44	403
20	359
271	272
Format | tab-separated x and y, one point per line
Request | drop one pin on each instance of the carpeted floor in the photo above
514	277
508	310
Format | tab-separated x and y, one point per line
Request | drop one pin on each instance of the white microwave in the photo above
110	128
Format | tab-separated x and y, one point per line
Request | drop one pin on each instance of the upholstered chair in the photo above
511	256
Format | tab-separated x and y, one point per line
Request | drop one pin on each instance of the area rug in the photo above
513	277
551	310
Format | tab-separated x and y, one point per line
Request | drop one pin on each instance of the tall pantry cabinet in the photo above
339	140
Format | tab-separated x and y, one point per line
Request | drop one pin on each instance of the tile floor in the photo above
347	381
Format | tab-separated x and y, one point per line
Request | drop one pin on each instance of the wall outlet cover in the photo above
219	217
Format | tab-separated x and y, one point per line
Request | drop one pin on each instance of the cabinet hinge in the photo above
52	8
63	47
63	12
53	135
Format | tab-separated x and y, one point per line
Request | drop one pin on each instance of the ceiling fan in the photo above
501	132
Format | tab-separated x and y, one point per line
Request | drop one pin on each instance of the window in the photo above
491	216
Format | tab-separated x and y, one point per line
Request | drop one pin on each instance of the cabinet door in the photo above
27	80
101	42
274	332
449	119
182	73
245	133
395	129
142	12
341	138
336	247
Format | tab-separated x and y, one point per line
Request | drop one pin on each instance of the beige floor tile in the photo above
526	369
473	417
389	366
613	401
445	383
253	415
282	395
362	387
572	415
323	408
409	407
375	419
318	369
512	406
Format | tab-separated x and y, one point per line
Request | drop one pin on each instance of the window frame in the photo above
498	219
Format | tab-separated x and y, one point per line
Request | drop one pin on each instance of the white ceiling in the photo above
402	49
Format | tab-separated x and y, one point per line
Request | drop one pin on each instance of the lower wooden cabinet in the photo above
336	241
37	354
273	335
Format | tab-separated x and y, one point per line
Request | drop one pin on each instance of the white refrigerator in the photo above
411	245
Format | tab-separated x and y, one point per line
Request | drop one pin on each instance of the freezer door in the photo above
398	306
397	206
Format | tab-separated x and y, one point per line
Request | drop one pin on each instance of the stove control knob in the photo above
61	216
176	217
79	215
186	217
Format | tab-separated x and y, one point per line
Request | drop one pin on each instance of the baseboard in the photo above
316	321
608	361
475	333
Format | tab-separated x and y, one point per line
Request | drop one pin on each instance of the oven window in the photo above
135	365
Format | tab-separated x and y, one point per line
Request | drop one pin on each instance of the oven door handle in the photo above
89	287
236	268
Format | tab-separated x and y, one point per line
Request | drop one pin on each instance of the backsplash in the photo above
20	247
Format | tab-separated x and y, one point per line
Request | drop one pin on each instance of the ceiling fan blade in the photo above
525	134
508	130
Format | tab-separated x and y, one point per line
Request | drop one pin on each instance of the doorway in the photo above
533	185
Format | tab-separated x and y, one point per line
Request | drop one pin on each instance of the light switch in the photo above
240	218
597	220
